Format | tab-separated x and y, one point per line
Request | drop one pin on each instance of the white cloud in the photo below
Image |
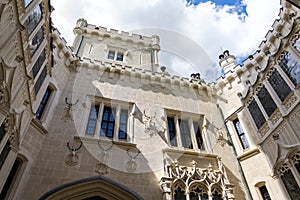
211	27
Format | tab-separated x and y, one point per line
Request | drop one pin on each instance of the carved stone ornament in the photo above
194	179
290	101
101	169
72	159
264	129
275	117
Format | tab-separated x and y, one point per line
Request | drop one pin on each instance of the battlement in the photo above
82	27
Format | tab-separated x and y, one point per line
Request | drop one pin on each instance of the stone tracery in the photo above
193	182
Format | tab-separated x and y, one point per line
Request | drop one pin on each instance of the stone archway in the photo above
93	188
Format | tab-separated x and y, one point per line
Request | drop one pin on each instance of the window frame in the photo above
175	118
114	53
117	108
241	133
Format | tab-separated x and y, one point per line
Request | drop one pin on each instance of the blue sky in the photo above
239	26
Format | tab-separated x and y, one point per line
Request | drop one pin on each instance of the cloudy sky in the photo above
202	29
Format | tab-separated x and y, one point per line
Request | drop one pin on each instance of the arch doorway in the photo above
93	188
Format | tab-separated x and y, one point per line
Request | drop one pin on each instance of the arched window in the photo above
296	161
216	194
198	192
179	194
289	181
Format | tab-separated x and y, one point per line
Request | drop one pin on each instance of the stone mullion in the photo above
206	140
294	172
99	120
130	123
262	110
178	134
193	134
117	121
274	96
285	77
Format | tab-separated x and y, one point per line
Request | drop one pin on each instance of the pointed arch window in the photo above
179	194
289	181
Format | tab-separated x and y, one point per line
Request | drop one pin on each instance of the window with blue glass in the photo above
43	103
91	126
291	68
185	134
241	134
34	19
267	101
123	124
108	122
27	2
256	114
172	131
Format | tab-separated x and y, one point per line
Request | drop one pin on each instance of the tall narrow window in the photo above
2	131
172	131
4	154
10	179
43	103
241	134
297	44
290	184
266	101
40	80
291	68
185	134
256	114
123	124
279	85
90	130
36	41
39	63
199	137
34	19
264	193
108	122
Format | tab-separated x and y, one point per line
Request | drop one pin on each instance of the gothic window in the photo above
264	192
43	103
2	131
198	192
36	41
291	68
279	85
40	80
296	161
241	133
10	179
39	63
4	154
34	19
289	181
266	101
199	137
256	114
27	2
172	131
179	194
108	122
185	134
216	195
